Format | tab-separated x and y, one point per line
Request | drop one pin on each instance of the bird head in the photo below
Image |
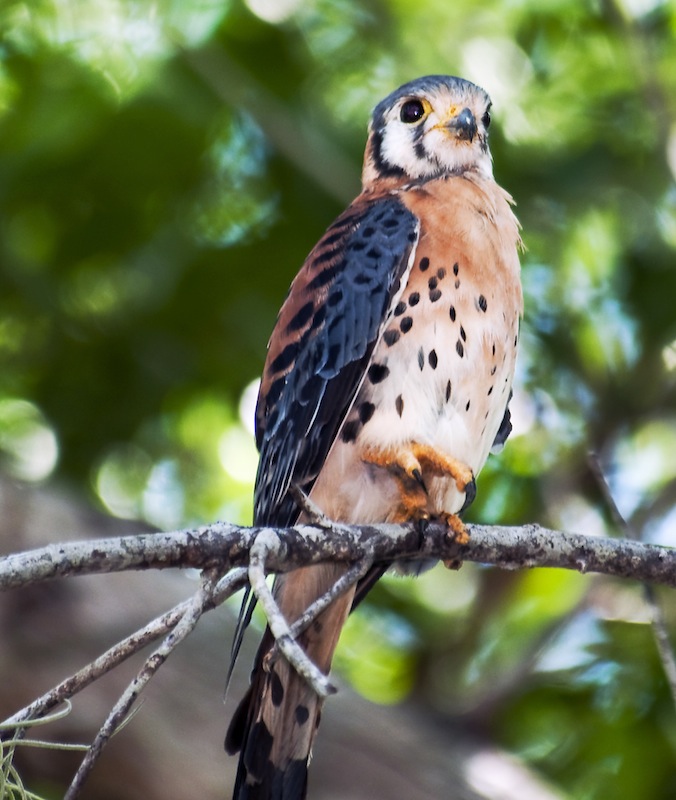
428	128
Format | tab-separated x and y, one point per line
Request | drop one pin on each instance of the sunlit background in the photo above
164	169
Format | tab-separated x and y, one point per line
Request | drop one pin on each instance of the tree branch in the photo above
228	546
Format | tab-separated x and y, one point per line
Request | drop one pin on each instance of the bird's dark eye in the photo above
412	111
486	119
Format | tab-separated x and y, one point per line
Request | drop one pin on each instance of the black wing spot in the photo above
323	277
505	427
335	298
319	317
301	317
302	714
286	358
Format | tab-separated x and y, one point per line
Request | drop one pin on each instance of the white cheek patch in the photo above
441	153
398	149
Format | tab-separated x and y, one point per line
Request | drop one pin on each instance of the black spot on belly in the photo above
456	268
441	273
276	689
302	714
399	309
378	372
432	358
459	348
414	299
435	294
490	391
424	264
432	283
366	411
421	359
483	305
468	405
451	312
406	324
463	335
391	337
350	431
448	391
399	405
457	284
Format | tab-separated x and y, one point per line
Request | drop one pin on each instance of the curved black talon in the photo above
470	495
417	474
421	526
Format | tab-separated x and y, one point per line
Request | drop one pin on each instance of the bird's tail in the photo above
276	722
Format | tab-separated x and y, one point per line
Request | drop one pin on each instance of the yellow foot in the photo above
456	528
458	533
409	464
414	459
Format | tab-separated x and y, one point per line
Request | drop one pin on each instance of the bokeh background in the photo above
164	169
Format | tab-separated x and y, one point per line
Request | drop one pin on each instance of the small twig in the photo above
313	512
123	650
268	542
658	622
185	626
321	603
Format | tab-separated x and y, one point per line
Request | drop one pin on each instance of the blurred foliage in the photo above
164	169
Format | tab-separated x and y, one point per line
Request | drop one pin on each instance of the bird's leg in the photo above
409	463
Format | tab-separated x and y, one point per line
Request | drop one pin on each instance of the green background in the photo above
164	169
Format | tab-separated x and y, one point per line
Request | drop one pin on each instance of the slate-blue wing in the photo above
319	351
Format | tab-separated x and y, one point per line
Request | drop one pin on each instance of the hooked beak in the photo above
463	125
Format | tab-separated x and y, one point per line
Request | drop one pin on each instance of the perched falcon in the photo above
386	382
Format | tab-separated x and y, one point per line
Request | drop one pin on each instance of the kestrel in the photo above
387	380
